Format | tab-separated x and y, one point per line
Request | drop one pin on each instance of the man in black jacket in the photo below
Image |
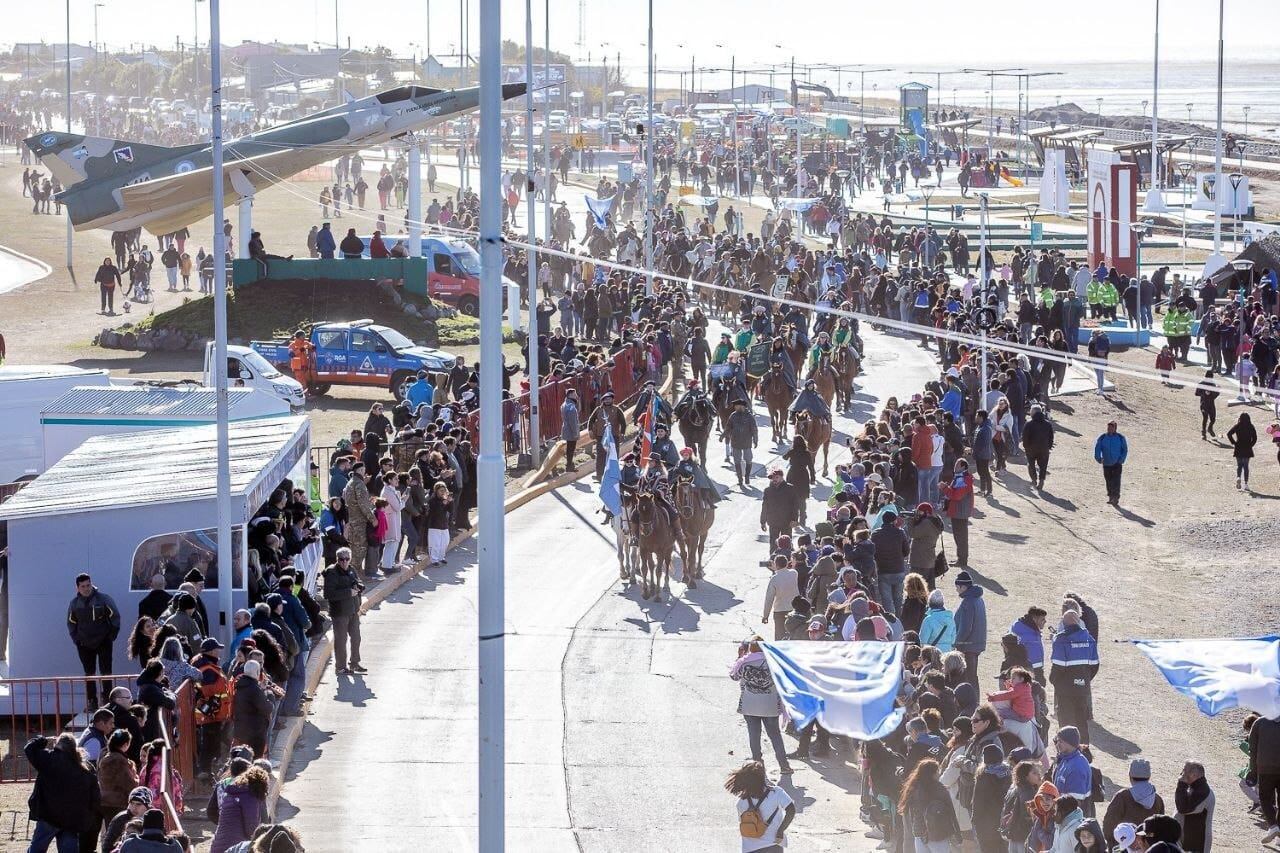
892	548
154	603
779	507
1264	771
1037	441
93	620
65	799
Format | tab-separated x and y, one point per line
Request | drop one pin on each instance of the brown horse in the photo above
696	423
848	368
795	350
825	379
656	538
817	433
696	518
777	396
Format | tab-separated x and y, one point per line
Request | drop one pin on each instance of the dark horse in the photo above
696	517
656	536
696	421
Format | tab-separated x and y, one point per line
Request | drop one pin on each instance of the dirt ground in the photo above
1185	554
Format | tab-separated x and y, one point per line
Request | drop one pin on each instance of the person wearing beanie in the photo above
891	550
153	838
924	529
1071	772
137	805
796	624
251	710
971	624
1137	802
989	788
939	625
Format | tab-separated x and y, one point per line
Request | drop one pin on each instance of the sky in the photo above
922	33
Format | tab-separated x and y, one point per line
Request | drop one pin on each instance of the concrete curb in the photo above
46	270
322	652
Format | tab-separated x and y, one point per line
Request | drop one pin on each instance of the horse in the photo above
816	432
777	396
696	519
848	367
795	351
625	543
656	540
696	423
825	380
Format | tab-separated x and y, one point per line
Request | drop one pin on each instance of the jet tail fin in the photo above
73	157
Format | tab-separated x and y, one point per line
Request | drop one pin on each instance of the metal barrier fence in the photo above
619	376
30	707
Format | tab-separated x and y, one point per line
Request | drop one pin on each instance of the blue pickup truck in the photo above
361	353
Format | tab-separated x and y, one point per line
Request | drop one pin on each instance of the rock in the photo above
174	341
128	341
146	342
108	339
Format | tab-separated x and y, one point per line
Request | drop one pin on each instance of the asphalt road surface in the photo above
621	718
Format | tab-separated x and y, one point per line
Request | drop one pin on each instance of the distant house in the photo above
58	50
448	71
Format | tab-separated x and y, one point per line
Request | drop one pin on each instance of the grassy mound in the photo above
274	308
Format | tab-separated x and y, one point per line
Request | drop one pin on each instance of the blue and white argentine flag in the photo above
1220	674
849	688
599	208
611	482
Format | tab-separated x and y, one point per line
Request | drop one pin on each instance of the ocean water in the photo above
1123	86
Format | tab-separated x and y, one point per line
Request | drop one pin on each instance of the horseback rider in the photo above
809	401
607	413
779	359
761	322
655	480
689	468
795	318
692	398
821	349
743	339
663	447
645	400
846	335
722	350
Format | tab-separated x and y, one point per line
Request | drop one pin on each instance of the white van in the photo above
24	392
247	369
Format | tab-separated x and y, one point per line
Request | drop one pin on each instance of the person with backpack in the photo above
928	816
764	810
212	706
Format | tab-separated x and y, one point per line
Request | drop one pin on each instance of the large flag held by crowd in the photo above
849	688
1220	674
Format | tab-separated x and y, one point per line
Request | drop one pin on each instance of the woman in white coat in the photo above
395	504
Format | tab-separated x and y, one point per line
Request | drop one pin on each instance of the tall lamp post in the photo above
1155	199
535	440
490	605
1184	169
1236	179
1031	210
1246	120
97	71
1137	228
927	190
648	171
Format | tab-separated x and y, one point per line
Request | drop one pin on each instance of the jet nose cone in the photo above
513	90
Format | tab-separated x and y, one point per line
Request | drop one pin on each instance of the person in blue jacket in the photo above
1072	775
1027	629
971	624
953	400
1110	451
1075	664
325	243
422	391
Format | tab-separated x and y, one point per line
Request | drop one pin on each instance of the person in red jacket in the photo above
958	492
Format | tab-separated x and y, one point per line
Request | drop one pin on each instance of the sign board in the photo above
780	285
1037	231
579	141
1232	201
552	76
625	172
758	359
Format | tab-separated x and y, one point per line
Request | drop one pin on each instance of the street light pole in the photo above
70	229
491	817
649	223
1155	199
97	71
1184	168
982	282
1216	261
531	204
226	570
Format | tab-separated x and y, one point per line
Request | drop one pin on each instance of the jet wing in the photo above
194	187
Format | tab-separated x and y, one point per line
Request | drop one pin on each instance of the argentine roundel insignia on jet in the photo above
48	139
183	166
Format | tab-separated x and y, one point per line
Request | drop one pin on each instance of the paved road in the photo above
621	719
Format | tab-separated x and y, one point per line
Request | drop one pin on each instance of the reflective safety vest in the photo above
212	700
1177	323
1110	296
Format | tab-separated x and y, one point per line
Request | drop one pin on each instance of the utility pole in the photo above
490	607
1155	199
70	229
649	223
535	440
226	552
